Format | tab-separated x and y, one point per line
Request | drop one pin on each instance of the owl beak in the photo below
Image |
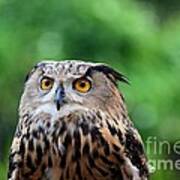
59	97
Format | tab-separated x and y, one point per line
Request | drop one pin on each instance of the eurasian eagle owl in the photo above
73	125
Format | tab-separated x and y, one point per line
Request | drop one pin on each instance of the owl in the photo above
74	125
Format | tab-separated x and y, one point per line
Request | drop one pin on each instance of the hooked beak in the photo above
59	97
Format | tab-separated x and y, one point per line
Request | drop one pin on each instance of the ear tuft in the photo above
112	74
33	70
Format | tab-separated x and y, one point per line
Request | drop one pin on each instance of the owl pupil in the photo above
82	84
47	83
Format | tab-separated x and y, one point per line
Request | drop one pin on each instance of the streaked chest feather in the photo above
74	147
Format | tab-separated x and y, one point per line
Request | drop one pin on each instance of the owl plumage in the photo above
73	125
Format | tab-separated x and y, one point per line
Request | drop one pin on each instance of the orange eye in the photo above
82	85
46	83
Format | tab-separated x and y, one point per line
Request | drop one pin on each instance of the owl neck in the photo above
70	121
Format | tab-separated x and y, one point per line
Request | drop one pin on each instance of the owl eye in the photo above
46	83
82	85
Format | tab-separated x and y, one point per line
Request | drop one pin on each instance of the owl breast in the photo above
76	146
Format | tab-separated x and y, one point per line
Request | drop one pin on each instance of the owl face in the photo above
70	86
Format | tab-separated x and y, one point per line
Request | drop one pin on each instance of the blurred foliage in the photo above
126	34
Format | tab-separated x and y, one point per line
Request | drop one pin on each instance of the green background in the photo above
139	38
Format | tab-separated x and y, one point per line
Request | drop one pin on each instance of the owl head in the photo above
68	86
